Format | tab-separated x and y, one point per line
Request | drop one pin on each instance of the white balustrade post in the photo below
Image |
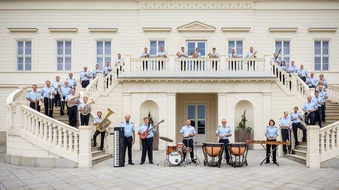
267	64
171	63
85	155
223	64
294	84
127	66
313	156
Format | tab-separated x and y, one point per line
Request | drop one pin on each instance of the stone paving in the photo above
290	175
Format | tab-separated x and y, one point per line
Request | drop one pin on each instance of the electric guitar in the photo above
144	134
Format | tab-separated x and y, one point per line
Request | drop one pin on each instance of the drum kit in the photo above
174	154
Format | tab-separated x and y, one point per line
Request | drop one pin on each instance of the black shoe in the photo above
101	149
228	163
275	162
193	160
131	163
267	162
94	145
151	162
141	163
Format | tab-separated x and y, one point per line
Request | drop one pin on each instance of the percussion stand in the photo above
196	158
186	150
166	161
271	154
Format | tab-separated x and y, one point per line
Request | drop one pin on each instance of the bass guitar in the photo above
145	133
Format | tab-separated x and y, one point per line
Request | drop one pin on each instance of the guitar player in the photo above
147	143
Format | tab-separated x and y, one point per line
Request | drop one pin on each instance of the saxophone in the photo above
73	101
105	122
86	109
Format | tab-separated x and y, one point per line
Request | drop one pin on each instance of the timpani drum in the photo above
212	153
238	153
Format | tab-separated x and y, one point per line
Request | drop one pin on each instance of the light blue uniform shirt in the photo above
323	95
143	54
295	115
162	53
302	72
46	91
129	128
186	130
117	61
292	69
223	131
285	122
65	91
33	95
285	67
95	72
56	84
311	81
71	82
235	55
82	105
143	128
310	106
318	99
107	70
271	131
249	54
70	96
83	77
96	120
183	54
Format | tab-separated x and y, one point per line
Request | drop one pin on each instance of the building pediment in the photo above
196	26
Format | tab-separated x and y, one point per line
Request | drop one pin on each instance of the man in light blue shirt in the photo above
188	132
161	54
119	62
72	82
319	101
311	81
95	123
85	76
310	108
252	55
57	84
96	70
302	73
147	142
292	69
65	91
296	118
72	111
129	137
285	123
144	54
34	97
48	92
323	95
224	132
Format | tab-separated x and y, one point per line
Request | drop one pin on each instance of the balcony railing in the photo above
195	67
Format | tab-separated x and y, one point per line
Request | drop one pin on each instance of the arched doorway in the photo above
152	108
247	107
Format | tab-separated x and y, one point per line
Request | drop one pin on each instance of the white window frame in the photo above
235	42
157	46
103	56
321	56
64	56
196	45
24	54
282	55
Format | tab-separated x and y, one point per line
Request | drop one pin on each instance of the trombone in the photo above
50	99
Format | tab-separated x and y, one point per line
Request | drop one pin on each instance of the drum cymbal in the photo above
166	139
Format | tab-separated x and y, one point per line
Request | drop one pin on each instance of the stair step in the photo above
100	158
297	158
97	153
302	147
302	153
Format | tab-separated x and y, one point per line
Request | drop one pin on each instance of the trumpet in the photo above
86	109
254	55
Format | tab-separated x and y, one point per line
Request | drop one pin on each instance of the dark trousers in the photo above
102	139
303	78
268	151
84	83
84	119
72	115
147	146
323	110
128	144
62	107
295	127
188	143
285	136
310	118
57	100
48	103
318	115
225	141
35	106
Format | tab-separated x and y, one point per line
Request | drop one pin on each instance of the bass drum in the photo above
175	158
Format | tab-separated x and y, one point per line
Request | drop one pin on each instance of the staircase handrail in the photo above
329	144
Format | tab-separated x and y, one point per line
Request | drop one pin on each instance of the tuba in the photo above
105	122
86	109
73	101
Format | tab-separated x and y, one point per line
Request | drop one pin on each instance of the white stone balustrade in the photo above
333	93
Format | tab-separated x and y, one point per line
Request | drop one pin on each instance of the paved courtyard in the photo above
290	175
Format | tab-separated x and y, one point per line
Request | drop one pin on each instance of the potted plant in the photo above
242	132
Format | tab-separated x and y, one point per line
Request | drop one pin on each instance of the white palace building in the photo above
42	39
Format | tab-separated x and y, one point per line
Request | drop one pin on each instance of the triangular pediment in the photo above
196	26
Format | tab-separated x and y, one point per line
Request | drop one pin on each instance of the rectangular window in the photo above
237	45
104	53
191	45
321	55
285	50
64	55
197	114
24	55
155	47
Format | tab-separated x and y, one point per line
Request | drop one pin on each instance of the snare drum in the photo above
180	146
171	149
174	158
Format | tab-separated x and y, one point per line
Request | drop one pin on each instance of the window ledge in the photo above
283	29
329	29
103	29
63	29
23	29
156	29
235	29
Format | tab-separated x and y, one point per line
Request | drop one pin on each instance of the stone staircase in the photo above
97	154
299	152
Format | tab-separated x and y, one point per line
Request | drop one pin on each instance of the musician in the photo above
129	137
319	101
251	54
284	65
84	119
57	85
117	62
65	91
72	111
161	54
107	70
196	64
147	143
182	54
72	82
85	76
296	118
276	58
96	133
310	108
271	134
144	54
224	132
233	55
48	93
214	54
285	124
302	73
321	78
311	81
292	68
323	95
96	70
196	53
34	97
188	132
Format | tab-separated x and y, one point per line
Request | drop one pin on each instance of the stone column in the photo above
85	154
171	128
313	156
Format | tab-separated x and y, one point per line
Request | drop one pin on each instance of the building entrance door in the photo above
197	114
